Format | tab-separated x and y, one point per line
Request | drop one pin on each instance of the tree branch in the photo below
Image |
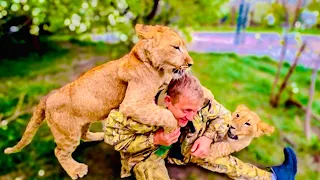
152	14
296	13
283	52
302	107
307	124
275	101
18	112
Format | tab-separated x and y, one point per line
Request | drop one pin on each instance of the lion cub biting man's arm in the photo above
245	125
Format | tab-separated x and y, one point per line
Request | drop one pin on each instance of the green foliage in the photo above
76	17
22	21
314	5
261	10
277	11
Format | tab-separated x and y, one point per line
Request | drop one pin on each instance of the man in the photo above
144	148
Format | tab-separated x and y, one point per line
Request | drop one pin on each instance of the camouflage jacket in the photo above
135	140
212	121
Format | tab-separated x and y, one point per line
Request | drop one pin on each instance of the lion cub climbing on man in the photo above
129	84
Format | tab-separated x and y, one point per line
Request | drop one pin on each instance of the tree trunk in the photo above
251	23
296	13
307	123
275	102
152	14
280	64
282	54
233	15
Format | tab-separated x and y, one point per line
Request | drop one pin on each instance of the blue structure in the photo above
239	23
242	21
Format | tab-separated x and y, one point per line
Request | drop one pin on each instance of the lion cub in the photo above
129	83
245	125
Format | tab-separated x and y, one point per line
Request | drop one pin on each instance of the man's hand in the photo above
201	147
166	139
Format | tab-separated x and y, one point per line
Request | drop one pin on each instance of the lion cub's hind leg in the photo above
90	136
67	142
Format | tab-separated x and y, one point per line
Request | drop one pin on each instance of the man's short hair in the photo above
187	85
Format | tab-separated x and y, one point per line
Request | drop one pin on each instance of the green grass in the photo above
247	80
233	80
35	76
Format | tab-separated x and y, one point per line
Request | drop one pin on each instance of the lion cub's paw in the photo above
78	171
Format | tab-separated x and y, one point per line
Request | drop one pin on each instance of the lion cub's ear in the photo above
264	128
148	31
242	107
145	31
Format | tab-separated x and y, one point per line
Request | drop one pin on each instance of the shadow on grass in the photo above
24	66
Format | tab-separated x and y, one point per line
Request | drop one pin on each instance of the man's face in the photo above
184	109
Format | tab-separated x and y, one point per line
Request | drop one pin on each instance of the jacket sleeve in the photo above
135	144
126	135
217	117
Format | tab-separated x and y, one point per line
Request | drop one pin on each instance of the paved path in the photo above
261	44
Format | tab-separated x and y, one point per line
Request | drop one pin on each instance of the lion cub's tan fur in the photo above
129	84
245	125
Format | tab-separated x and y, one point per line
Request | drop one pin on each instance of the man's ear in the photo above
167	100
264	128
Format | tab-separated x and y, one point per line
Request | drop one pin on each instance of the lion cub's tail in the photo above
35	122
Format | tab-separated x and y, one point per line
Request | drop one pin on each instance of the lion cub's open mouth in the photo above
177	73
232	136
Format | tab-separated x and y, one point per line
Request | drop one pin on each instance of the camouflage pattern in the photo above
217	118
211	121
153	168
234	168
139	154
133	140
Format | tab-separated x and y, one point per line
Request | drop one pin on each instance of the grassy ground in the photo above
247	80
233	80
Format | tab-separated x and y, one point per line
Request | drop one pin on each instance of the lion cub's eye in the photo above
176	47
248	124
238	115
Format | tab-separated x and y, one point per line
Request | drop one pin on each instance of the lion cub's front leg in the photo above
139	104
220	149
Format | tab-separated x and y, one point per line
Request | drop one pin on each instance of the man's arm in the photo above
136	143
126	135
140	142
217	116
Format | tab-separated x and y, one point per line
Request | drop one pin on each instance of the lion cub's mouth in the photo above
232	136
178	72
